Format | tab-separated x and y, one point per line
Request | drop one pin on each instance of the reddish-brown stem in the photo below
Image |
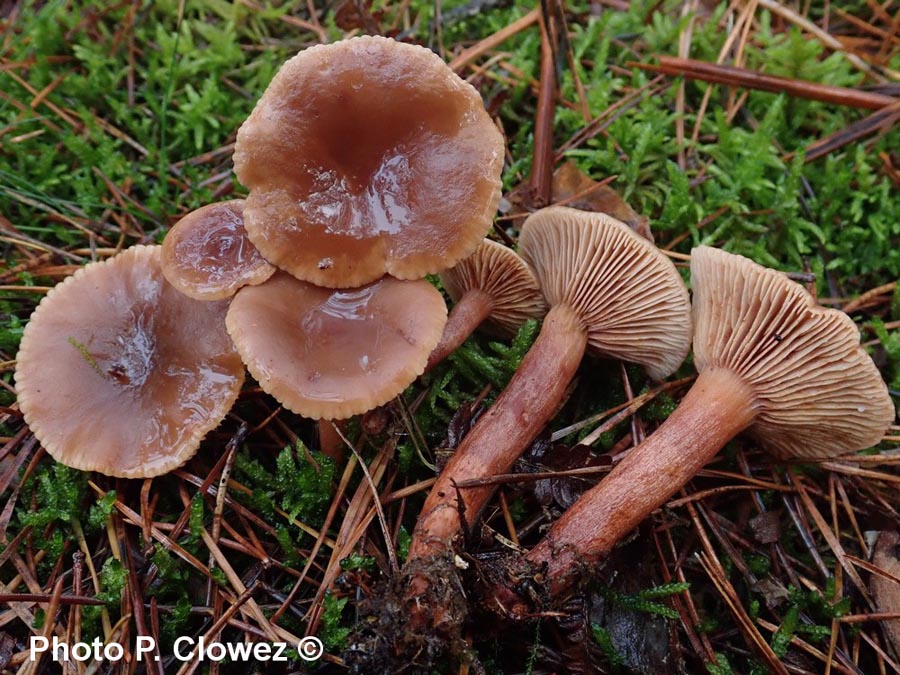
716	409
502	434
330	441
472	309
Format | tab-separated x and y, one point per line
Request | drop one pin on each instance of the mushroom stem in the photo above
330	441
472	309
718	407
493	445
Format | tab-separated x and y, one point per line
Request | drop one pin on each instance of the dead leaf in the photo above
460	424
774	593
563	490
375	421
766	527
357	14
572	187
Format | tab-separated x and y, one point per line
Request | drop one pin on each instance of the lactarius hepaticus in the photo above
494	289
609	291
332	354
207	255
365	157
120	373
771	362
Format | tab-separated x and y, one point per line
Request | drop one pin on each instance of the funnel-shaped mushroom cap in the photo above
207	255
499	273
629	296
365	157
120	373
334	354
818	392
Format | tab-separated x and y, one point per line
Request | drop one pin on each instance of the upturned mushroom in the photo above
771	362
493	289
207	255
610	291
331	354
120	373
368	157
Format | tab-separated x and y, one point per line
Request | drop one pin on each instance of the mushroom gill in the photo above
771	362
495	290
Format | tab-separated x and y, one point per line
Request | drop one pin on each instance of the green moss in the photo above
59	494
100	511
646	600
305	482
603	639
334	631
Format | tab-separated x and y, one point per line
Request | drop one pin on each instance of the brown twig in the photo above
880	121
487	44
541	180
46	597
741	77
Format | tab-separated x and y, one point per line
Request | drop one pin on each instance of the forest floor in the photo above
116	119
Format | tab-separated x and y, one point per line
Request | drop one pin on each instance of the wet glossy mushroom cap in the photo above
365	157
818	393
333	354
207	255
120	373
501	275
628	295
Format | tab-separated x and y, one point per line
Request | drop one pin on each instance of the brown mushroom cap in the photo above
207	255
333	354
365	157
629	296
120	373
819	394
503	276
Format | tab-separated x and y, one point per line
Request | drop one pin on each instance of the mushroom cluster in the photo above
772	363
610	291
323	353
369	165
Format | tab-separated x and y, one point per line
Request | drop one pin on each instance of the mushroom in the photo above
331	354
207	255
120	373
365	157
492	288
771	362
609	290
